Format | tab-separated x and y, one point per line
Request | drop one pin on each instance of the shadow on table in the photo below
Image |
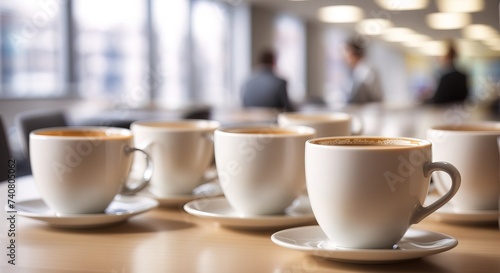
446	262
131	226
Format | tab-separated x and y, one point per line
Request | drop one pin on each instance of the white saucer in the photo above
450	214
415	244
218	210
122	208
211	189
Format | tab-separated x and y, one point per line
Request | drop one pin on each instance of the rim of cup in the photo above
368	142
295	130
484	128
161	125
108	131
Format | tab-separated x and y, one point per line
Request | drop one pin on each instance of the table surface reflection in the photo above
170	240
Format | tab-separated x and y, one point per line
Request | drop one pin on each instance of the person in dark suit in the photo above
264	88
453	84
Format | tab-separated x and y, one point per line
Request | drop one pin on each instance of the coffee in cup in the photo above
365	192
261	166
81	169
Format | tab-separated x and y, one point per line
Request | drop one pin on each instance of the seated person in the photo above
265	88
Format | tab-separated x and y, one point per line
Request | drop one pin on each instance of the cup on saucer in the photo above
81	169
325	123
365	192
181	151
261	166
473	149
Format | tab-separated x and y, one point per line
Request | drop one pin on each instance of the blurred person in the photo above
452	85
264	88
365	83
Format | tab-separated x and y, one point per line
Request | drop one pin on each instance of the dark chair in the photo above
197	112
5	154
32	120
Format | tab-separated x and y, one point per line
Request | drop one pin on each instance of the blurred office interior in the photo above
121	58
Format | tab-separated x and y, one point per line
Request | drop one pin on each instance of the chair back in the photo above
5	154
32	120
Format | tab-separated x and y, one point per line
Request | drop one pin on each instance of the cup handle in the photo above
211	139
146	176
429	168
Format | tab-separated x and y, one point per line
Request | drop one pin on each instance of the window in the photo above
30	48
211	51
289	41
111	49
175	52
171	28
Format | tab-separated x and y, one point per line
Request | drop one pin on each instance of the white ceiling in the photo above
415	20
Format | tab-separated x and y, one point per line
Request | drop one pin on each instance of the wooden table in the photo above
170	240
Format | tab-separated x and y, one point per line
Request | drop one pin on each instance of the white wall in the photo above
391	64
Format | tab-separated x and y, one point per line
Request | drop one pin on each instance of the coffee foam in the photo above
367	142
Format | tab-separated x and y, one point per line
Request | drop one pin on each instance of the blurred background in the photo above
92	57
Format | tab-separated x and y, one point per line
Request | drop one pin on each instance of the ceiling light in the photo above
397	34
448	20
460	5
415	40
434	48
340	14
402	4
469	47
373	26
495	47
479	32
495	41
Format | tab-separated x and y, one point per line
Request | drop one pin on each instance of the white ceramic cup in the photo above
366	192
261	166
81	169
473	149
325	123
181	150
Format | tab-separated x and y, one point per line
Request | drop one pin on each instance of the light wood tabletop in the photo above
171	240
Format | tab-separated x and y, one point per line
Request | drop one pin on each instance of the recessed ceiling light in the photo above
467	47
495	41
495	47
434	48
403	4
479	32
340	14
397	34
416	40
460	5
448	20
373	26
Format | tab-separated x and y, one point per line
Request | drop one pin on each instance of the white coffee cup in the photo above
261	166
325	123
81	169
181	150
366	192
473	149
